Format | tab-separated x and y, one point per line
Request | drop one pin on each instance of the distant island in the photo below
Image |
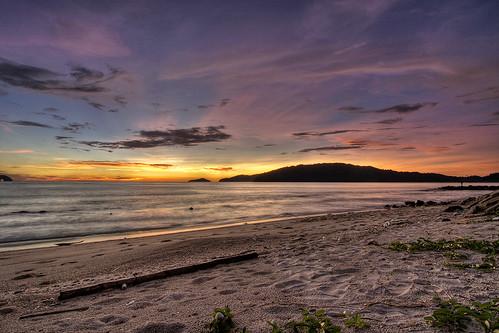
341	172
199	180
5	178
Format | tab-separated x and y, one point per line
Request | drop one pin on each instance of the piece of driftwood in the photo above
40	314
116	284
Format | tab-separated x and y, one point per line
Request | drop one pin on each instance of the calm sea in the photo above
40	211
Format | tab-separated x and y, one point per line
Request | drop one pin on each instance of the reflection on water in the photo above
31	211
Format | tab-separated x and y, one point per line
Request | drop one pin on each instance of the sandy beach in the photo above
337	262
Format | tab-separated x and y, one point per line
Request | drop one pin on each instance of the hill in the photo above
341	172
199	180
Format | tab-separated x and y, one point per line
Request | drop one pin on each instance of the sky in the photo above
175	90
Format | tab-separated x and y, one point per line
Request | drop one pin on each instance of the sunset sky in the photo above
175	90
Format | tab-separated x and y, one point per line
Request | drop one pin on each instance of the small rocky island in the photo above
5	178
199	180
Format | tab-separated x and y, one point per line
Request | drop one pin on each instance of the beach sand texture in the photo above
337	262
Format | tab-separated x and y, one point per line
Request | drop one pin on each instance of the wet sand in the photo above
338	262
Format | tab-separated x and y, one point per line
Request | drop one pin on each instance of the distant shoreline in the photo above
469	188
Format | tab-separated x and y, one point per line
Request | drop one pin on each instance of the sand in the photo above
336	262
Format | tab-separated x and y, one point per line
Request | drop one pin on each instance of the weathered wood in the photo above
116	284
40	314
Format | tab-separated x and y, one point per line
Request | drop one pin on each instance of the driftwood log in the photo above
117	284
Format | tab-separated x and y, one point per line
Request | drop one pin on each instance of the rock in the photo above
477	210
5	178
486	204
373	242
453	209
388	207
431	203
445	219
419	203
191	208
467	201
395	206
410	203
495	218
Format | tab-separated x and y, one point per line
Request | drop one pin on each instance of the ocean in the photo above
35	212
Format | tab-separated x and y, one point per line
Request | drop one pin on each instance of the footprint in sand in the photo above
46	261
227	292
161	328
202	279
140	305
177	296
290	284
27	276
111	300
113	320
400	284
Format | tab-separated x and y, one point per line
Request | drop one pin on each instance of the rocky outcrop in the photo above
486	204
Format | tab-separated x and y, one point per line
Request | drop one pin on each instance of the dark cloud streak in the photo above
164	138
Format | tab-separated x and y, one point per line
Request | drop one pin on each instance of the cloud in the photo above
484	125
389	121
408	148
120	100
51	109
96	105
398	108
17	151
355	146
81	73
163	138
405	108
205	106
224	102
57	117
76	127
27	123
118	164
306	134
60	137
350	108
36	78
220	169
487	94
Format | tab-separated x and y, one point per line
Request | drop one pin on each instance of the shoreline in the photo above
339	262
88	239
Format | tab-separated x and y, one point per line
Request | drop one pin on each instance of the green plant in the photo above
355	321
453	255
222	321
314	322
275	327
453	316
449	247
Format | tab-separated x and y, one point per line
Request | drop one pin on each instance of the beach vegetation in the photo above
452	248
452	316
311	322
354	320
222	321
